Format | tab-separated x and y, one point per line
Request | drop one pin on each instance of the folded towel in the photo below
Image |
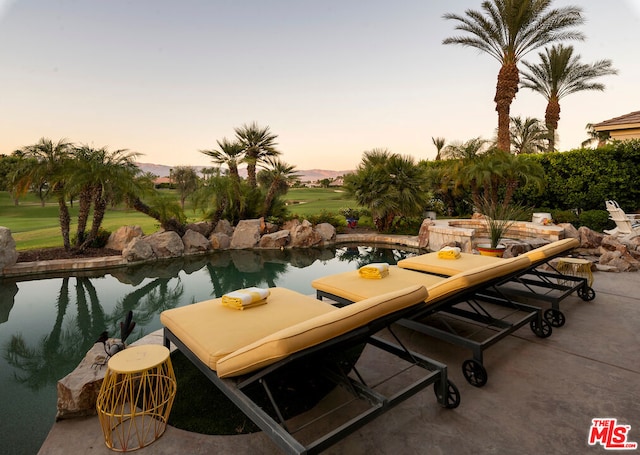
449	252
374	271
245	298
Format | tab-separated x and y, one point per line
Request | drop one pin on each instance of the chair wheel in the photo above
587	294
543	330
474	372
555	317
453	395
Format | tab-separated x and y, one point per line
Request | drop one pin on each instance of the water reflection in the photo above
47	325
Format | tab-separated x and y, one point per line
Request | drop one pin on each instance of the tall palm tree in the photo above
560	73
51	164
258	144
528	135
277	176
229	154
507	31
439	142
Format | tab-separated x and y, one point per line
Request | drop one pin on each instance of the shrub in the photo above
597	220
565	216
326	217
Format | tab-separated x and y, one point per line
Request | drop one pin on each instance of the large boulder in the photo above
423	233
224	227
570	230
304	236
8	253
246	234
276	240
138	249
78	391
219	241
589	238
120	238
327	231
166	244
195	243
203	227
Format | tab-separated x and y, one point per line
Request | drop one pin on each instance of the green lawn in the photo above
34	226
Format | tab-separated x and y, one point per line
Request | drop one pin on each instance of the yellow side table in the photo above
576	267
136	396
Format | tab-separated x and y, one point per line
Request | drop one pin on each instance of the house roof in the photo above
631	120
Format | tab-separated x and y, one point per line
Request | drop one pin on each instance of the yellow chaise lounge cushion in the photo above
289	323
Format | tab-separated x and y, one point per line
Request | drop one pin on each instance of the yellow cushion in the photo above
212	331
552	249
316	330
432	263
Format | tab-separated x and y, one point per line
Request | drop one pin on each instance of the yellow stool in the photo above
136	396
576	267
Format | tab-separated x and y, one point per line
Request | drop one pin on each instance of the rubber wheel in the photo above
555	317
544	331
587	294
474	372
453	395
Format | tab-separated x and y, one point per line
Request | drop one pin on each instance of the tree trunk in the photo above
65	222
251	174
84	206
506	89
169	225
551	119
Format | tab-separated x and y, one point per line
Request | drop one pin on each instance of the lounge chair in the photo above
241	351
451	300
533	282
626	225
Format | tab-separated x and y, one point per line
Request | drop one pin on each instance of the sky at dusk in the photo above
332	78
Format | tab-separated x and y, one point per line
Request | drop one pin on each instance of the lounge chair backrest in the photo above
317	330
551	250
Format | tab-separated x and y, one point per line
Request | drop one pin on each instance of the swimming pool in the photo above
48	324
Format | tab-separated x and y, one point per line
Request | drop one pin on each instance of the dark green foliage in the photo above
597	220
327	217
564	216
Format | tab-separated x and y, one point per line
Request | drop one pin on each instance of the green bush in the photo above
327	217
597	220
564	216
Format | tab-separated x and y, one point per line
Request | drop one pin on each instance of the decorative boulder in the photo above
219	241
589	238
246	234
423	233
119	239
194	242
167	244
570	230
327	231
78	391
276	240
8	253
203	227
138	249
304	236
224	227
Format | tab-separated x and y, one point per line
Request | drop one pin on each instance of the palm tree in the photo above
439	143
599	137
229	154
528	135
464	150
258	144
277	176
507	31
560	73
52	165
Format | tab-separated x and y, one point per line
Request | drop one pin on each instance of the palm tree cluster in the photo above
96	178
508	30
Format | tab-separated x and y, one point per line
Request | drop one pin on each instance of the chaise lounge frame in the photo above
274	425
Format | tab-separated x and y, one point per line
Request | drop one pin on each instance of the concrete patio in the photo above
541	396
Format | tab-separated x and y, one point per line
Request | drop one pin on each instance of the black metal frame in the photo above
274	425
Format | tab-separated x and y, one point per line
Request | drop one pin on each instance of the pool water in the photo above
48	324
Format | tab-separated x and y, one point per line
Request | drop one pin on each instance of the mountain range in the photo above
307	175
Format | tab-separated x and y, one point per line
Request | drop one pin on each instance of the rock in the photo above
8	253
278	239
194	242
327	231
138	250
78	391
270	228
423	233
224	227
291	224
589	238
203	227
246	234
304	236
219	241
570	231
119	239
166	244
